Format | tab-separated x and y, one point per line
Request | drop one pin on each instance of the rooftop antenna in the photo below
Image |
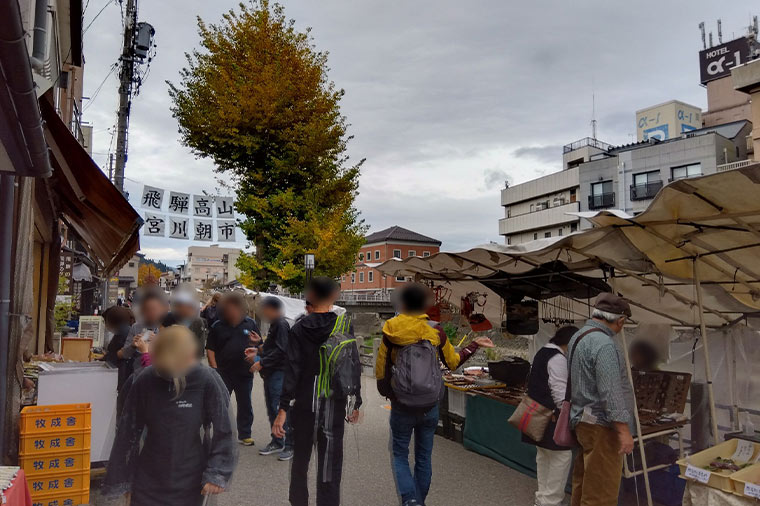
720	32
711	40
704	39
593	110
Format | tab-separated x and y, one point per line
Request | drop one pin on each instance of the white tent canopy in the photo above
710	224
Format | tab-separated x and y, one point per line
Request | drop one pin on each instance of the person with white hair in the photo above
185	309
602	404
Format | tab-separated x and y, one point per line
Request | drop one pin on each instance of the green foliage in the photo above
257	101
451	332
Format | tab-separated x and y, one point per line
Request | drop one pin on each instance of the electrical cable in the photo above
100	87
109	2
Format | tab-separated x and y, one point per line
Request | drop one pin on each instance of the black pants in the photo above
241	385
329	453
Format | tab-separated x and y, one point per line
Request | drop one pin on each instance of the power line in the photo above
109	2
100	87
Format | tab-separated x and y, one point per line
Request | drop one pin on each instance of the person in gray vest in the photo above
408	361
547	385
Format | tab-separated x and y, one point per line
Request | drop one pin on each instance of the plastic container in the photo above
457	402
63	499
55	418
725	450
58	484
740	479
34	465
60	442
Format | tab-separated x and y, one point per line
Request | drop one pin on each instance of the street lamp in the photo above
308	260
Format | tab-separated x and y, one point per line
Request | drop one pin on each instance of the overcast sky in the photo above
446	99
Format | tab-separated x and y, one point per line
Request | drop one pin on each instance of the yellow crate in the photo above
719	480
66	499
55	418
55	463
60	442
747	475
58	484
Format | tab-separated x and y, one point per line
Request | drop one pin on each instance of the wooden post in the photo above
708	367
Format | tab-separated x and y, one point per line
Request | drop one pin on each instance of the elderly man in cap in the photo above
602	404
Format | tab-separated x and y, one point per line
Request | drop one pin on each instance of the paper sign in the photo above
152	197
698	474
203	230
225	230
179	202
178	228
154	225
224	207
752	490
744	451
202	206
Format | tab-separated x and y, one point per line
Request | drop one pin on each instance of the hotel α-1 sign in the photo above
717	61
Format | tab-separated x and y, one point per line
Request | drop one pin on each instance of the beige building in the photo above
207	264
746	79
667	121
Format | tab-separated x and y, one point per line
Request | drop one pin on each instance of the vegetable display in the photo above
721	464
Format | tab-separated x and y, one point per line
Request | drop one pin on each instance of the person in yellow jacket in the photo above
409	415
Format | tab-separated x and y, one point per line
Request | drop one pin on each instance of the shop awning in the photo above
711	221
90	204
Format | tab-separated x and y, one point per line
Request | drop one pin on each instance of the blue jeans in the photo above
272	390
423	426
241	386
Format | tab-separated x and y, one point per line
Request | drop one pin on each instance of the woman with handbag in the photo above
547	384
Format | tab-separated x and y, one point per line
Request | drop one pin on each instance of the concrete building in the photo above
746	79
210	264
393	242
128	276
538	208
628	177
666	121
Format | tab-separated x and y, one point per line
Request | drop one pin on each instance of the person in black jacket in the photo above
118	320
271	366
227	343
547	385
309	413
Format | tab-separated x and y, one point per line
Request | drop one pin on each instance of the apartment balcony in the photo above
601	201
645	191
734	165
548	217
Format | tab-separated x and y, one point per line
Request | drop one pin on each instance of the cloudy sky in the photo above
446	99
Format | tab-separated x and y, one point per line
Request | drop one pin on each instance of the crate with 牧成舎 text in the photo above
46	463
55	418
63	499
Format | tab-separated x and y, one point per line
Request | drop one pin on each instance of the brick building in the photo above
393	242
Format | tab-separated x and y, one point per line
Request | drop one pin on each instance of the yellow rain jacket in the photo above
404	330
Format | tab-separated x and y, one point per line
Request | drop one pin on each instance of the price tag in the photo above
697	473
752	490
744	451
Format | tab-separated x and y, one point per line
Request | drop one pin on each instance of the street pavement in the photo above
459	476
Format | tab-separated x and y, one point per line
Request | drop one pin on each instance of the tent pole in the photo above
708	367
640	436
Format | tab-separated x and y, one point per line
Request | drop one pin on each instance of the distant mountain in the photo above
157	263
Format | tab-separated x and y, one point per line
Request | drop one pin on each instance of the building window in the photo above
400	279
425	254
396	253
131	264
573	196
377	254
361	277
573	227
343	278
601	195
646	185
412	253
547	235
509	241
684	171
559	232
509	209
532	208
370	276
535	235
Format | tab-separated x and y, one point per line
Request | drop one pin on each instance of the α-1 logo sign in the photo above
716	62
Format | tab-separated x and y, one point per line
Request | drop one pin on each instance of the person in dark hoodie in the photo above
419	417
271	366
118	320
172	402
306	411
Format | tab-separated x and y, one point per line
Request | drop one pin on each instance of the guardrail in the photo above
734	165
363	297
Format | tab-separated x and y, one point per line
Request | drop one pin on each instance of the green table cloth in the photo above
487	432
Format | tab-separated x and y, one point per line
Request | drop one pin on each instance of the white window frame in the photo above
400	279
396	255
377	254
411	253
425	254
370	277
361	277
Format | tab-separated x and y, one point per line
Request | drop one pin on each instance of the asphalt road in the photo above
459	476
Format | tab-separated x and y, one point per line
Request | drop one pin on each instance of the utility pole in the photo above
136	51
126	78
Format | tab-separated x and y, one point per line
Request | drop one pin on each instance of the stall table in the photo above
700	495
17	494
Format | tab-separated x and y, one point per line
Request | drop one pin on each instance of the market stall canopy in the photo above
712	222
91	205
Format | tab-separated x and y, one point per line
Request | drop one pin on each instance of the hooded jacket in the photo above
302	367
404	330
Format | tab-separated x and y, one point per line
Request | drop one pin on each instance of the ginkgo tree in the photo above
256	99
